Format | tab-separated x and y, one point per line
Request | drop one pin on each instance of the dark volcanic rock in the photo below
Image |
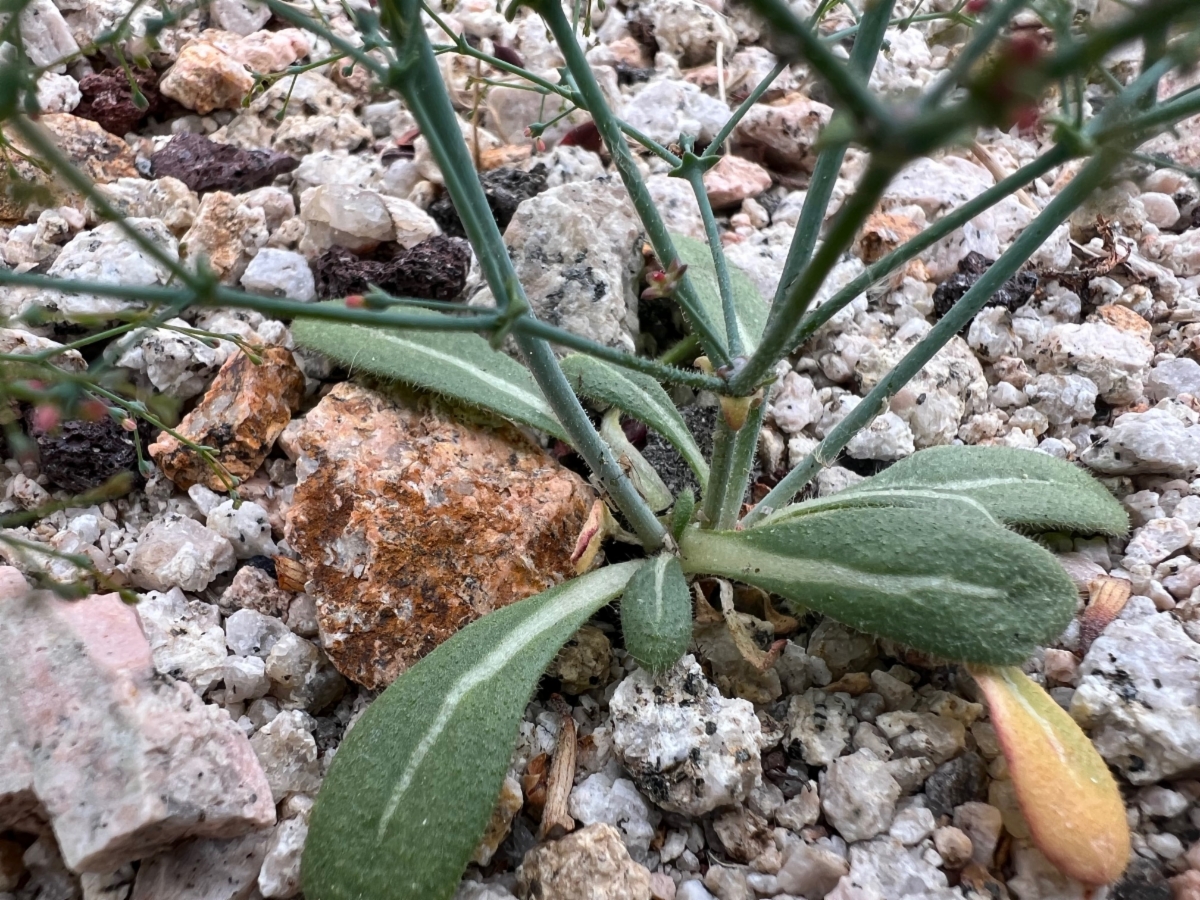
435	269
957	782
505	189
1013	293
108	99
80	456
1143	880
205	165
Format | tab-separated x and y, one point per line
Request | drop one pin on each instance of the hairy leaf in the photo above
656	613
639	396
1018	487
1066	792
748	303
413	784
948	581
644	476
458	364
681	512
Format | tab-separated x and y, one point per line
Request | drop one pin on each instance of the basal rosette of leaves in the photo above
939	552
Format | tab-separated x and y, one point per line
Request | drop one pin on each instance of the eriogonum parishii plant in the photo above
937	552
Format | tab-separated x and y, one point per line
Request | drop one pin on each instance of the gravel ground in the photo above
852	770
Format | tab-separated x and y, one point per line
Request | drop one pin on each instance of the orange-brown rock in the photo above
413	525
242	414
884	232
98	154
1125	319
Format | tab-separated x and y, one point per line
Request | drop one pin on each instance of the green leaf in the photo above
656	613
457	364
681	513
747	301
644	476
412	786
948	581
1015	487
639	396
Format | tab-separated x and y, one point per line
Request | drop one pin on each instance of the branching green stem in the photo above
740	113
776	340
741	463
417	78
1055	213
850	89
610	133
692	171
913	247
829	164
982	39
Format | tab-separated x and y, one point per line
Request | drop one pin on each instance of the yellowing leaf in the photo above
1067	794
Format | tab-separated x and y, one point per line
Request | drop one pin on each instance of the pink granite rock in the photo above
18	803
124	763
733	179
204	870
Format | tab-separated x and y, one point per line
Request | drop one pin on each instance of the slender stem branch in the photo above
610	132
1055	213
692	171
981	41
290	14
850	90
911	248
740	113
659	370
33	135
829	164
741	463
720	468
776	341
417	78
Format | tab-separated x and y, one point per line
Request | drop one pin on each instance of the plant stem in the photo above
1055	213
692	171
981	41
911	248
610	132
658	370
466	319
293	16
417	77
741	462
740	113
829	164
851	90
776	341
720	468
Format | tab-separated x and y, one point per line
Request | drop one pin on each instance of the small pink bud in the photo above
45	418
977	6
128	424
356	301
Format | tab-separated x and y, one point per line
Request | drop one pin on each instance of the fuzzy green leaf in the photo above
748	303
639	396
413	784
1013	487
656	613
681	512
948	581
457	364
644	476
1018	487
